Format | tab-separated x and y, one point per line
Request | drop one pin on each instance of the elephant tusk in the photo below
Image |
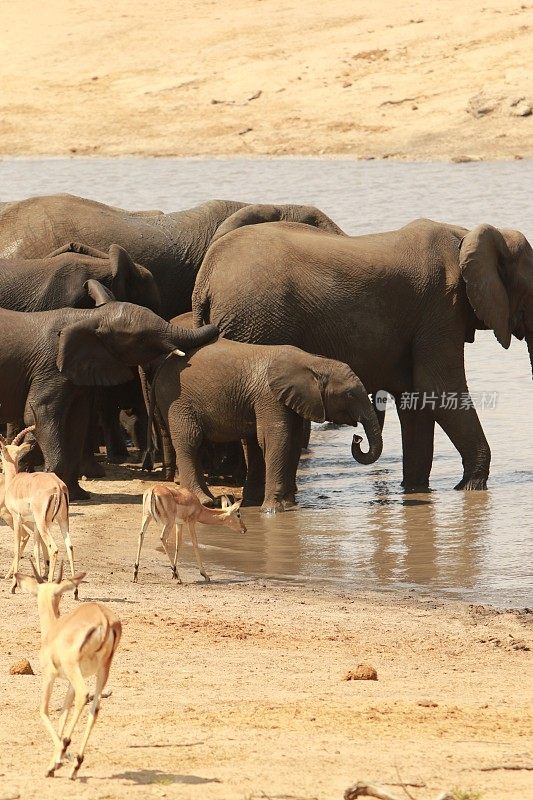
177	353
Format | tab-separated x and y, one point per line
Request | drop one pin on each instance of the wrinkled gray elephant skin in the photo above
397	307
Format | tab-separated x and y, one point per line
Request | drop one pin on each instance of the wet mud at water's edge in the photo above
354	527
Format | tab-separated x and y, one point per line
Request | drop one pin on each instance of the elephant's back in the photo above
253	273
34	227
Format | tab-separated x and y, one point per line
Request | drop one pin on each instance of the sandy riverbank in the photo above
235	689
240	78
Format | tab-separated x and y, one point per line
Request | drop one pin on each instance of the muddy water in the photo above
354	526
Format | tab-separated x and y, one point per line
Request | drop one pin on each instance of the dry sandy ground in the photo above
235	689
387	78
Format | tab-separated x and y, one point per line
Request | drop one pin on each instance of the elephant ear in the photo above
249	215
483	258
84	360
77	247
98	293
122	271
296	385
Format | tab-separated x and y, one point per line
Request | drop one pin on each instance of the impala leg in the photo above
24	540
64	528
194	540
44	711
51	546
17	535
81	697
179	539
101	680
67	705
63	743
164	541
144	525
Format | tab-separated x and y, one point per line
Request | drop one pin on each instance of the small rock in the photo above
482	104
22	667
427	704
464	159
362	672
521	109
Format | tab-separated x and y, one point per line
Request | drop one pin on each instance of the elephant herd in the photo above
309	321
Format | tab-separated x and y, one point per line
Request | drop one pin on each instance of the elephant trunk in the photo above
185	339
375	440
529	341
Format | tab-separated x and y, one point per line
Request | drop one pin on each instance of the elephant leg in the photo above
116	449
167	448
418	428
463	428
306	434
61	430
91	468
187	440
280	442
253	492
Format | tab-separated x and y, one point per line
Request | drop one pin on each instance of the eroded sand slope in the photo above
255	77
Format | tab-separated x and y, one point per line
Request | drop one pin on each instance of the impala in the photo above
171	506
34	501
73	647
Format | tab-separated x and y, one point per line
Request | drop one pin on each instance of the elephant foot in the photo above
92	469
76	493
117	458
472	485
415	488
252	500
276	506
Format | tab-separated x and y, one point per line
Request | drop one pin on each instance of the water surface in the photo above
355	527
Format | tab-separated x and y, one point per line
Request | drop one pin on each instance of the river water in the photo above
354	527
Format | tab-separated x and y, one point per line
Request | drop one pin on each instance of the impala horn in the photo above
38	577
20	436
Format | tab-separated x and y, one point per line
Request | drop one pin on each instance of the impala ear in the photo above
26	583
484	259
295	384
70	584
84	359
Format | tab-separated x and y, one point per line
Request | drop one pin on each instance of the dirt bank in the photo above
384	79
236	689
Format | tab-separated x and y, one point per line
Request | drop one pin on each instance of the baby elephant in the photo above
260	394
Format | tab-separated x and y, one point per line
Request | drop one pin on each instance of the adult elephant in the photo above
171	246
60	280
397	307
49	359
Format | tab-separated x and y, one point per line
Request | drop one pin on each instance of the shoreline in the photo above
256	157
